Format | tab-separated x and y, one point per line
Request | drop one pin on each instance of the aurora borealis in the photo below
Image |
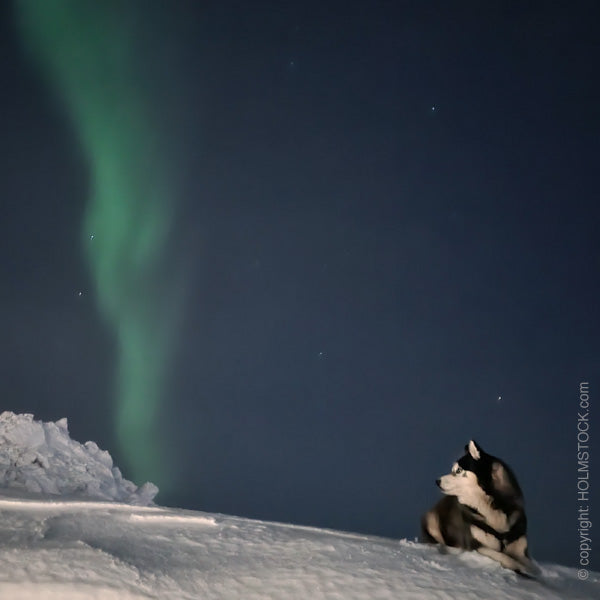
87	54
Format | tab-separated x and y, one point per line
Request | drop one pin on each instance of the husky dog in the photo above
483	510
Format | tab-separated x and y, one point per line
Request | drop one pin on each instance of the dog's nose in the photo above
437	481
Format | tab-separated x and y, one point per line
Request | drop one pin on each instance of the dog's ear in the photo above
500	478
474	450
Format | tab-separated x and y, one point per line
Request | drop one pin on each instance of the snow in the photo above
41	457
77	546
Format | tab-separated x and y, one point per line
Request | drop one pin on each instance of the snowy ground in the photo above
72	547
72	550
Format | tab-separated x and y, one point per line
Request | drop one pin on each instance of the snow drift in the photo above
42	458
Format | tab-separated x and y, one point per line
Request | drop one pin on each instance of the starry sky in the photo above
384	221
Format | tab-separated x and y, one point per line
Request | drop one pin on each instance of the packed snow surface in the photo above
54	547
75	550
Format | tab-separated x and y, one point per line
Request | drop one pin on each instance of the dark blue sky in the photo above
390	213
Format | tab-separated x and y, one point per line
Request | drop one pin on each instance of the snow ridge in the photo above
42	458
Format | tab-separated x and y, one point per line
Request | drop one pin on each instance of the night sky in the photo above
384	225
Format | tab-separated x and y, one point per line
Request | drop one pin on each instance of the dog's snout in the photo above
437	482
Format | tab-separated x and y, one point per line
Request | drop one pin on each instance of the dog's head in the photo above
478	474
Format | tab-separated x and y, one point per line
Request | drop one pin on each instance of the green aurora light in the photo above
85	51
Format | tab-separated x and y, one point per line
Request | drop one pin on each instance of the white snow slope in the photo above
75	548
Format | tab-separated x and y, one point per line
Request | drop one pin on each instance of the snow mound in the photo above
41	458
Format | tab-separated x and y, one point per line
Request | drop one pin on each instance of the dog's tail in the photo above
430	528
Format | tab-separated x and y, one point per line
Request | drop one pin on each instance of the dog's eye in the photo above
458	471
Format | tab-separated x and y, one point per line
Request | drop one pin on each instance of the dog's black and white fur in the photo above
483	510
